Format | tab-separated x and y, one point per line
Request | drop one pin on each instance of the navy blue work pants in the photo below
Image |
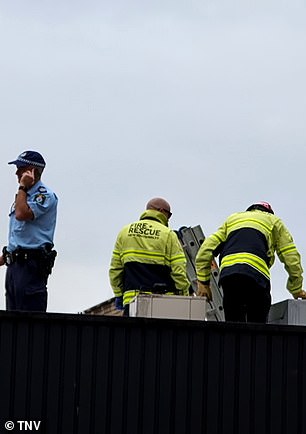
26	286
244	299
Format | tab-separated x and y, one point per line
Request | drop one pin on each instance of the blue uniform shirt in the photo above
32	234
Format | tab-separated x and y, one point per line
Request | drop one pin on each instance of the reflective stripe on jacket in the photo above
247	243
148	258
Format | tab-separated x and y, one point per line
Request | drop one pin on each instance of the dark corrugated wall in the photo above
85	374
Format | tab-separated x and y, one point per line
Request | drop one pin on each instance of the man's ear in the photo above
36	173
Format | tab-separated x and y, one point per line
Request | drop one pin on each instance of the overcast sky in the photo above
201	102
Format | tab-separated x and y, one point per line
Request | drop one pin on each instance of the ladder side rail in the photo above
189	243
215	287
191	239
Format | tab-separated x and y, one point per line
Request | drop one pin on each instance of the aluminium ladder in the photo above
191	240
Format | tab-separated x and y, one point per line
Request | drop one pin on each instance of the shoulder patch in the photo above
40	198
42	189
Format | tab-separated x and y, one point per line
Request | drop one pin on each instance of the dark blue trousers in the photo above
26	286
244	299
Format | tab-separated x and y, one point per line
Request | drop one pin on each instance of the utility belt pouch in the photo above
7	256
160	288
48	259
163	288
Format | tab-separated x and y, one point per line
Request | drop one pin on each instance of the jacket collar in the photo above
152	214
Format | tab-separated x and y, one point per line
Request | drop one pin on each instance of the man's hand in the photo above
301	294
204	290
2	262
27	179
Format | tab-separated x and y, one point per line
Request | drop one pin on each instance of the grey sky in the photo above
202	103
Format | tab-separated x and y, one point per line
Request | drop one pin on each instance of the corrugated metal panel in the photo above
93	374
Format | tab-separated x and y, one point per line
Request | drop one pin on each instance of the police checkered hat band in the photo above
29	158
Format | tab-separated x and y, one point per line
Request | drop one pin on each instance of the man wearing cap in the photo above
247	242
148	257
29	255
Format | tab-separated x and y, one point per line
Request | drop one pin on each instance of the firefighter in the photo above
247	242
148	258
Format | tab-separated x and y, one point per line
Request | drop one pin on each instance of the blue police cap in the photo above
29	158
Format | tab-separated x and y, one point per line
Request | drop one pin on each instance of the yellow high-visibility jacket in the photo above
247	242
148	258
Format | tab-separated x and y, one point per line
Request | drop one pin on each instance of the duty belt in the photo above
21	255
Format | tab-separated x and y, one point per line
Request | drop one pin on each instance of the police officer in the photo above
148	257
247	242
29	255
